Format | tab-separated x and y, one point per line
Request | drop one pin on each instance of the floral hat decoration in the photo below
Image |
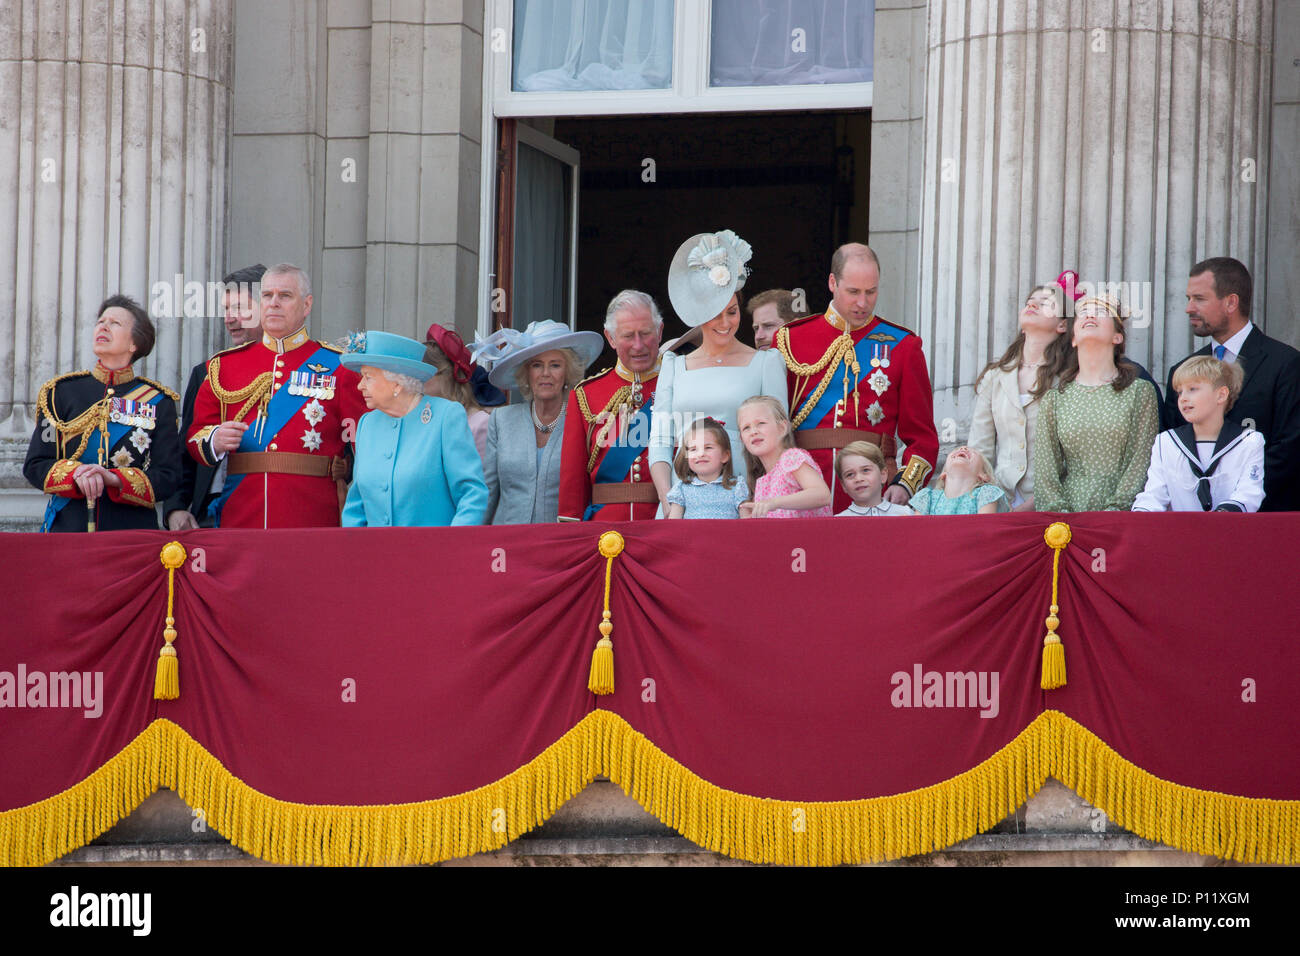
705	273
386	351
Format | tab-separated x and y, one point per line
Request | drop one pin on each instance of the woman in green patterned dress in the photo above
1096	428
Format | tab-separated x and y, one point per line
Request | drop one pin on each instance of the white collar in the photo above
1234	344
696	481
881	508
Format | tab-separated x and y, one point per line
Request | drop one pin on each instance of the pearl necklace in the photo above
537	422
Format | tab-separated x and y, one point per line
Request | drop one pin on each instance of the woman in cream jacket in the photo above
1008	390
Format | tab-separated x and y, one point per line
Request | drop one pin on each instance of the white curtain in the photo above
782	42
593	45
541	243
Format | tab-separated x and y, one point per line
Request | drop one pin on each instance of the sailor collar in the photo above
1184	438
112	376
287	344
627	375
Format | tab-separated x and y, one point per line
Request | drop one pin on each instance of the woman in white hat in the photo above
416	463
704	283
521	462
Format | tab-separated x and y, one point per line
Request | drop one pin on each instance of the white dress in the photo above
684	395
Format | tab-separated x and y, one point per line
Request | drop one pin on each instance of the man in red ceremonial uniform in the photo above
278	412
855	377
603	467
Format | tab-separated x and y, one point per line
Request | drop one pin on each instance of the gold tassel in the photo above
167	679
601	678
1057	537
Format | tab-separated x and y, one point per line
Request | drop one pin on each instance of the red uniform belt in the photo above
623	493
812	439
284	463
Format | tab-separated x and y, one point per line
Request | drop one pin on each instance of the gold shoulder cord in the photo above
620	397
94	417
256	391
840	348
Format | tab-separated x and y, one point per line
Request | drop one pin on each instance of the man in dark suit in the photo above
1218	305
187	509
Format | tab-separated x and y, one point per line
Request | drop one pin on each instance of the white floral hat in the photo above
706	271
506	349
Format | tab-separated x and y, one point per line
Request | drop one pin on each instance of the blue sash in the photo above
863	350
116	432
618	460
279	410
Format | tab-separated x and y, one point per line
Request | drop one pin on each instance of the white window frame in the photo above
528	136
689	93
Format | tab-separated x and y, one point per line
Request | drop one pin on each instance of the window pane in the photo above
782	42
593	45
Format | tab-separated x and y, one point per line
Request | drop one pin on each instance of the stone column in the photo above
426	97
113	130
1127	140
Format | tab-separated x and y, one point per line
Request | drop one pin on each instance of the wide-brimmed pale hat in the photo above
705	273
389	352
506	349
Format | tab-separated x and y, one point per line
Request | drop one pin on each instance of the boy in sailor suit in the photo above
1207	464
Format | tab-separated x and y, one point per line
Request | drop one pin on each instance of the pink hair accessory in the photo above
1069	283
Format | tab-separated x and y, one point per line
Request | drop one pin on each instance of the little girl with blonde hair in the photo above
787	482
965	487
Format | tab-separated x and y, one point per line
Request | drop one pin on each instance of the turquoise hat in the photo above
389	352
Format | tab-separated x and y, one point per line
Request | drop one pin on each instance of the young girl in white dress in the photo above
706	486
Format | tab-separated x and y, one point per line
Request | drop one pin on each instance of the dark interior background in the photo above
793	185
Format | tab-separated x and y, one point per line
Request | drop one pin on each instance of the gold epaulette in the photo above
592	378
43	396
96	416
162	388
233	348
329	345
582	396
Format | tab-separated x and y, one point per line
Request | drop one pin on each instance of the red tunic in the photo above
892	399
322	426
594	404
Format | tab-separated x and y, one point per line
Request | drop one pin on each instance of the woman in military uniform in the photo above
105	448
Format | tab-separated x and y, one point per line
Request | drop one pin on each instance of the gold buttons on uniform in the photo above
271	447
108	391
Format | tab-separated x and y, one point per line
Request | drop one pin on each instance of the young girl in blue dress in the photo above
965	487
706	486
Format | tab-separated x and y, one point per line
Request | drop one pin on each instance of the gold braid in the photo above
619	397
94	417
252	393
840	349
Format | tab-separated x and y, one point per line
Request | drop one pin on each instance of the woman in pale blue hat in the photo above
522	460
416	462
704	283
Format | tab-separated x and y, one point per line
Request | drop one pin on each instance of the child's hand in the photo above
746	509
759	509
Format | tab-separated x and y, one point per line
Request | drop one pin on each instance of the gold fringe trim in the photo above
757	829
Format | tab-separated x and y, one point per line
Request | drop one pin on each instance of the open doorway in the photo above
794	185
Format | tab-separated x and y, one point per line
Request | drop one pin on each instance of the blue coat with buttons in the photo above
422	469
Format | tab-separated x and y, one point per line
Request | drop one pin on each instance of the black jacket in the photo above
196	479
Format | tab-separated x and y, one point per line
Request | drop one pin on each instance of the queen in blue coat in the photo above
416	462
